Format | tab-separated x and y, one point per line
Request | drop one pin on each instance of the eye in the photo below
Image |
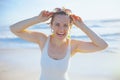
66	25
57	24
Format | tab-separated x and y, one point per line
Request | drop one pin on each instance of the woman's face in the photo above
61	26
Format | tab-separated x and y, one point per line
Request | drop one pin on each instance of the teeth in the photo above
61	33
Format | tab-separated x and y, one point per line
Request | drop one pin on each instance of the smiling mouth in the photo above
60	34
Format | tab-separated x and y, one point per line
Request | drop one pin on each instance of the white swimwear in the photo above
52	69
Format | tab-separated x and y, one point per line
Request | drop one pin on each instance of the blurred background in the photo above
17	55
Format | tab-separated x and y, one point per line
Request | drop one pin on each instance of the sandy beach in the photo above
17	64
24	64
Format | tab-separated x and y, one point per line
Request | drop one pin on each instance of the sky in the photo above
12	11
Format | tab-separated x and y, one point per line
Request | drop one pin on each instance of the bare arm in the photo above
96	43
20	28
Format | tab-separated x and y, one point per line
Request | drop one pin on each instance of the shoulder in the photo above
75	44
42	40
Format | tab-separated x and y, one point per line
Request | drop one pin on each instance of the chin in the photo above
61	37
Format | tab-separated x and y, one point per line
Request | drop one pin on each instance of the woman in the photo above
57	48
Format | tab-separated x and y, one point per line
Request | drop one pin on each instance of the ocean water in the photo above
109	30
105	62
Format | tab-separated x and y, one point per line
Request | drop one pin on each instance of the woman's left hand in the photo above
76	20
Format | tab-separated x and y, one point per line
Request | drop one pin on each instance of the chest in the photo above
57	52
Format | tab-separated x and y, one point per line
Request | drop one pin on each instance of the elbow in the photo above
12	29
104	46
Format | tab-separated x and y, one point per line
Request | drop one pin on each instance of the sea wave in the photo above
107	29
17	42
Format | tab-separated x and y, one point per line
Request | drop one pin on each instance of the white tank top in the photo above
52	69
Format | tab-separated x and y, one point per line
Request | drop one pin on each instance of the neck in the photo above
58	42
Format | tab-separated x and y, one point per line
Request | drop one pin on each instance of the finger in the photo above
47	13
50	14
73	17
76	17
43	13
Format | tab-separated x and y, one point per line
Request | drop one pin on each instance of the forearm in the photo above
22	25
92	35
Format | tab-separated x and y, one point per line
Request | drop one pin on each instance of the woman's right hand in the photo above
44	15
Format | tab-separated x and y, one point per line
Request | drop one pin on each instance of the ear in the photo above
52	29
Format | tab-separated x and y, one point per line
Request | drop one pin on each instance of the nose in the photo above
61	28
